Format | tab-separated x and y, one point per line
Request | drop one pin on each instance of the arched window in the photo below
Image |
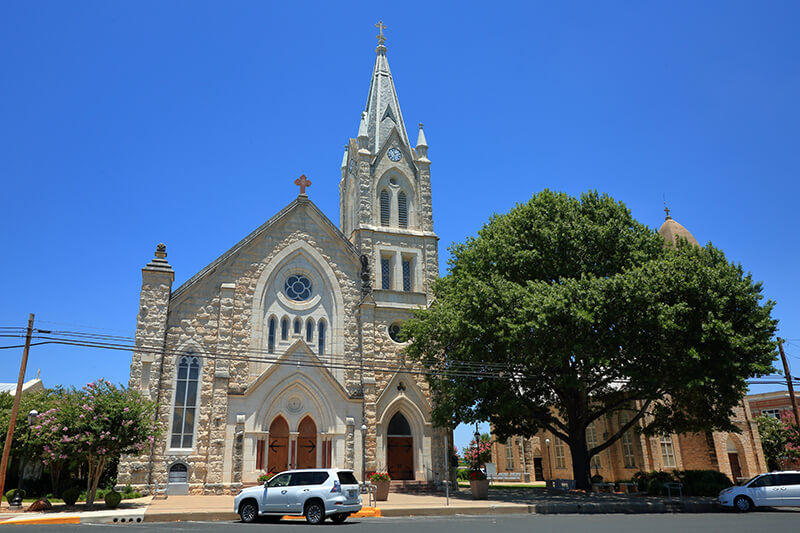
309	330
385	216
402	209
284	328
271	336
398	426
183	415
321	337
297	326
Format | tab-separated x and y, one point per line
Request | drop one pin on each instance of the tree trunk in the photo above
581	471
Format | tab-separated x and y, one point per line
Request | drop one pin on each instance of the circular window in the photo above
394	332
298	288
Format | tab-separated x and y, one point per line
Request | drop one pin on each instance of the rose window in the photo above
298	288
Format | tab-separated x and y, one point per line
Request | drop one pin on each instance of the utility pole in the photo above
12	420
789	383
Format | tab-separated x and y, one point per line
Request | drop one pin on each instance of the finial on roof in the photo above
421	140
381	38
666	210
344	157
161	250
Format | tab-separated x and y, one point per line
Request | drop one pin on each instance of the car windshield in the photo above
280	481
749	480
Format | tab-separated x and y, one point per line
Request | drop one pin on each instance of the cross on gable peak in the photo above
302	182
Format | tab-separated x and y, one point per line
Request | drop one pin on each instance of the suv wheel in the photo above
743	504
339	518
248	511
315	512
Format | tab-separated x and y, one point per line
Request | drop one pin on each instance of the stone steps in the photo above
414	487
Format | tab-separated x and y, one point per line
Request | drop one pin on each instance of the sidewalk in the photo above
508	501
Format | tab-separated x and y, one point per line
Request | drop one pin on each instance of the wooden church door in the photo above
400	448
278	446
307	444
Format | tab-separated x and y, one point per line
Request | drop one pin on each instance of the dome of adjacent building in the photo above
671	230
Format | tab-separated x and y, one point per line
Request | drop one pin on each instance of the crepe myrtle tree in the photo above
566	310
95	425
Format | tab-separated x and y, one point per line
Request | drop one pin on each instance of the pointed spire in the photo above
344	157
383	109
363	136
422	144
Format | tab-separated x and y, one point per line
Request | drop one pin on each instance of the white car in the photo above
776	489
316	494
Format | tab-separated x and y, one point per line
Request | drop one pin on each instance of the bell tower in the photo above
385	194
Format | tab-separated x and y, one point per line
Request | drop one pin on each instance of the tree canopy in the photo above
565	310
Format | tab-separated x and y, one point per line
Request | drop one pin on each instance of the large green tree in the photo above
566	310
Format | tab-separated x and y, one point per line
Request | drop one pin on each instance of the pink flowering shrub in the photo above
93	425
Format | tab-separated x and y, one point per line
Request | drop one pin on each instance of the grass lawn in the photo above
506	486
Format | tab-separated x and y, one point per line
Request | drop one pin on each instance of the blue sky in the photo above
125	124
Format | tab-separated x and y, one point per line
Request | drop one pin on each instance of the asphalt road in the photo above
777	521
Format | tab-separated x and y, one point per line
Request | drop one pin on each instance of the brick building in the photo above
773	404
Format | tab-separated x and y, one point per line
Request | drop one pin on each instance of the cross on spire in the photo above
666	210
381	26
302	182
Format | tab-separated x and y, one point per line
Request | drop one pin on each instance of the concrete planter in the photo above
381	490
480	489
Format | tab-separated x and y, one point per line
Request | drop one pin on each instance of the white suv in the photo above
315	494
776	489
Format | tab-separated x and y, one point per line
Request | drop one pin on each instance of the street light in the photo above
16	501
549	464
363	452
477	447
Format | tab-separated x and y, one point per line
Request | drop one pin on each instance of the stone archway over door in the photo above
400	448
307	444
278	447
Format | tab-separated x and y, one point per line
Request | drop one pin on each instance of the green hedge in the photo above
695	482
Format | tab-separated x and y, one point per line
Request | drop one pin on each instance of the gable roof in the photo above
301	201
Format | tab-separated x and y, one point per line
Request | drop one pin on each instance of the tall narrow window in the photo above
321	337
667	451
385	208
402	209
510	454
284	328
591	442
628	455
183	416
297	326
271	336
406	275
386	270
558	447
309	330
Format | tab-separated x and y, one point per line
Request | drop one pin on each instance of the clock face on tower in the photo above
395	154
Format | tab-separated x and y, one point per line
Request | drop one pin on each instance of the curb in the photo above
33	520
452	511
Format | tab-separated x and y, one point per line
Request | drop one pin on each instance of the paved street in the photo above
655	523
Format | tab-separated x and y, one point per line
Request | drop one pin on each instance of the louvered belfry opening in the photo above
402	209
385	208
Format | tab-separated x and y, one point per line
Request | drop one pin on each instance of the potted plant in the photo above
381	481
478	484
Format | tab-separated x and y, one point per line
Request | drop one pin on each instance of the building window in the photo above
386	271
321	337
297	326
284	328
558	447
298	288
591	442
394	332
183	416
772	413
406	275
384	207
667	451
510	454
309	330
271	336
628	455
402	209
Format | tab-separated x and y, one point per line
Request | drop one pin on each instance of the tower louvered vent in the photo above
402	209
384	207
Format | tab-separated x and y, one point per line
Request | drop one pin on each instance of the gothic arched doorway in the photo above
400	448
733	459
278	455
307	444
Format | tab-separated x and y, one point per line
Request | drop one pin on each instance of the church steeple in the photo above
383	109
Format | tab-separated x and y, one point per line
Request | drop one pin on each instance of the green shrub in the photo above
462	474
70	496
703	482
128	493
112	499
652	482
10	494
656	488
597	478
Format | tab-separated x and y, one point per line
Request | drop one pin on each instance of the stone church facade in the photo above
284	351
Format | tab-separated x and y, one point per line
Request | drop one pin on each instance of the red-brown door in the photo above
736	470
307	444
278	446
401	457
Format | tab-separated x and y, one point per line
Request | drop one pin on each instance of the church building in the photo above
284	352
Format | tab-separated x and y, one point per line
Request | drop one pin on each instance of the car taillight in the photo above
337	487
